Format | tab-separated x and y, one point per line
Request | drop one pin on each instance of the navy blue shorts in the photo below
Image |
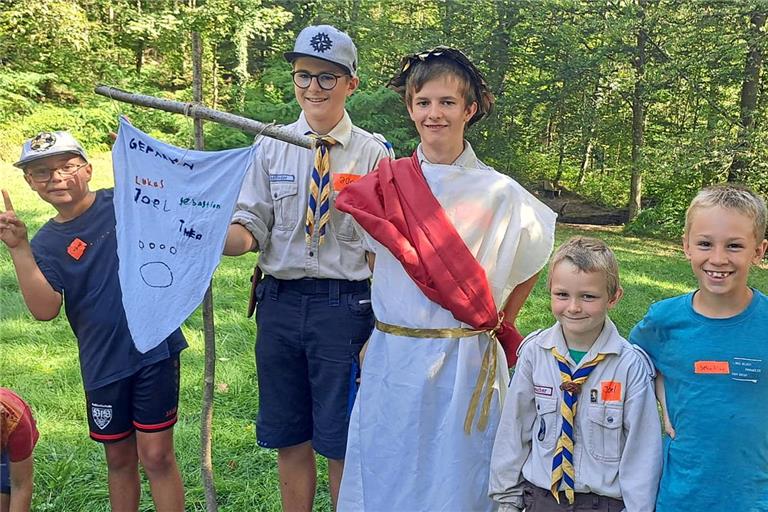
5	474
310	332
146	401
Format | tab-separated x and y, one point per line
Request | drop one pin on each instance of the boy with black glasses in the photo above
314	311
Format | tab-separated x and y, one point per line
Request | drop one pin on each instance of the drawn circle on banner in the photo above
156	274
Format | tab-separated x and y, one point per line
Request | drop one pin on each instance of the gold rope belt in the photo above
487	373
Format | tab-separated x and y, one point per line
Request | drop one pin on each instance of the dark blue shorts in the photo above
5	474
310	332
146	401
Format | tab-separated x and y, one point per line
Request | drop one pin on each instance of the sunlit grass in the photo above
39	359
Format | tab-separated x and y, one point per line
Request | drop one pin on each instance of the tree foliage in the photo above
566	74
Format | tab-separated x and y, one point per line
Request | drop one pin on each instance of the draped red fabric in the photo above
397	208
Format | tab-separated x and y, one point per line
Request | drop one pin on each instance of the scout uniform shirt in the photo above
273	204
617	438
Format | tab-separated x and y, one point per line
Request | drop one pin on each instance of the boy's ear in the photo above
760	252
686	246
470	111
352	85
616	298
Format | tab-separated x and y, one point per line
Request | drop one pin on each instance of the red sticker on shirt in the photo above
712	367
76	248
610	391
342	180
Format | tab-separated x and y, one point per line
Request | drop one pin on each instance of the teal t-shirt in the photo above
576	355
717	398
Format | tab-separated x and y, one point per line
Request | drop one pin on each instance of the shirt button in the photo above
311	253
610	420
275	195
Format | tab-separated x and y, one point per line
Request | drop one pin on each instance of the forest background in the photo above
633	104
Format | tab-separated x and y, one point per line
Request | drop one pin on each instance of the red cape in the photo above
396	207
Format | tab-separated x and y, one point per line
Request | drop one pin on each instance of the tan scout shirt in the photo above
273	205
617	450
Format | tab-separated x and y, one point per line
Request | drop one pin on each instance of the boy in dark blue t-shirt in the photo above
132	398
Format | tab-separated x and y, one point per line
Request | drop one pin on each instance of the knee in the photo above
157	460
121	460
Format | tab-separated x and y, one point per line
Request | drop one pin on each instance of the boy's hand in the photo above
13	232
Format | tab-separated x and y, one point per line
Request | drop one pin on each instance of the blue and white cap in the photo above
46	144
327	43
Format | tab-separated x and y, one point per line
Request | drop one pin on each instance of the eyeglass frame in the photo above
60	170
317	77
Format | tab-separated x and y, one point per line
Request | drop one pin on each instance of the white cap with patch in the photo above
326	43
46	144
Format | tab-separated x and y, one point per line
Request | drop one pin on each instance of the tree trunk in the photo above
638	115
749	92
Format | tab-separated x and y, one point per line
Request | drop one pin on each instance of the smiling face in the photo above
440	114
721	245
580	302
323	109
63	192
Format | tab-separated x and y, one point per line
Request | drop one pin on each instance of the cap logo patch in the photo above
320	42
42	141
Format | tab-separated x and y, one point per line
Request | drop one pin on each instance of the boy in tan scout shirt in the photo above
604	454
314	304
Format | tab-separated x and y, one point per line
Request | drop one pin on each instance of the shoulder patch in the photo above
646	359
384	142
525	341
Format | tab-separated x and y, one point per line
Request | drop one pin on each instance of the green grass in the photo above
39	360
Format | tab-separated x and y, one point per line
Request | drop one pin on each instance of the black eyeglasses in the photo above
326	81
45	175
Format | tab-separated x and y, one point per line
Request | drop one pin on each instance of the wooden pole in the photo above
209	375
200	112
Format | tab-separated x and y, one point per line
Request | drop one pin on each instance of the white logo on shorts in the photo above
102	415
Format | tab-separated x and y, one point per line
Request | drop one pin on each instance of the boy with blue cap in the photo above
314	307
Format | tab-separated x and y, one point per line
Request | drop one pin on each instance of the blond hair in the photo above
588	255
731	196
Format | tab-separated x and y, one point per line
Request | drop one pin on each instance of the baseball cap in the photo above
46	144
326	43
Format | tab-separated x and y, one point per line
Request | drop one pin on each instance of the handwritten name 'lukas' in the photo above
146	148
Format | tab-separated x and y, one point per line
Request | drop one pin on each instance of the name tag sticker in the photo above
342	180
282	178
77	248
610	391
746	369
542	390
712	367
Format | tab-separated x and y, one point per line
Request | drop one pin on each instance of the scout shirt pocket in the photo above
343	224
284	190
546	429
605	431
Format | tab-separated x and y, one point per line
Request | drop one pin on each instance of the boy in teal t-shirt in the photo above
710	346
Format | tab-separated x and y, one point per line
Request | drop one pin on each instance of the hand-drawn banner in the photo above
173	207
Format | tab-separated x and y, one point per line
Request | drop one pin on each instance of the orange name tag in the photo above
610	391
76	248
342	180
711	367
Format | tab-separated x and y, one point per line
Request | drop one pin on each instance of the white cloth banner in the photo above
172	208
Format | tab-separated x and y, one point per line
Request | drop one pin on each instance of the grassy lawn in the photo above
39	360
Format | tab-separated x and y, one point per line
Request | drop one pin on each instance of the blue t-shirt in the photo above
79	260
717	398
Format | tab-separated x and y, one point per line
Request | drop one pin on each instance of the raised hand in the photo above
13	232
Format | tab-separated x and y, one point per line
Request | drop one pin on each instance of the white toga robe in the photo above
407	450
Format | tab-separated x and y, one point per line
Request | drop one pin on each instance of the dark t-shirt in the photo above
79	260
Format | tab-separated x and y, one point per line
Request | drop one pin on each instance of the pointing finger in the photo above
7	201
